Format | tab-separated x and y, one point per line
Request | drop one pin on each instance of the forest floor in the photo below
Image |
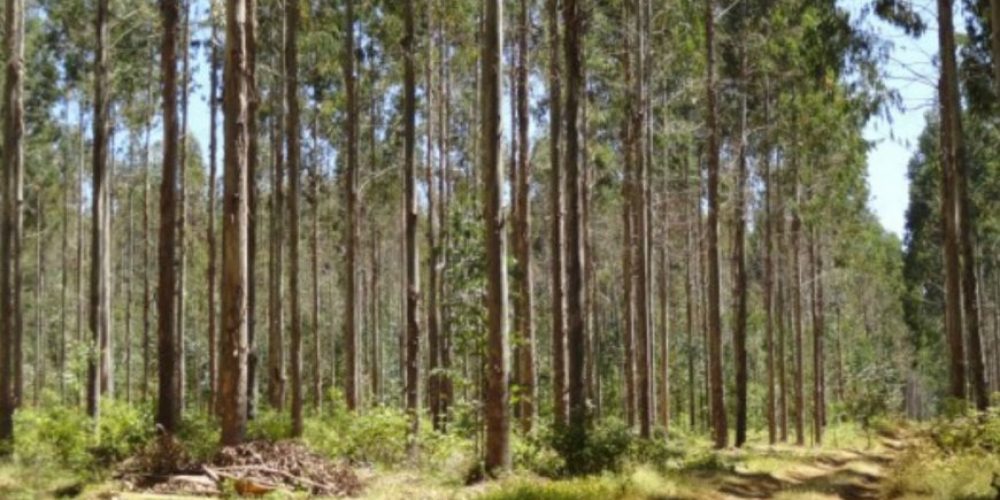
896	463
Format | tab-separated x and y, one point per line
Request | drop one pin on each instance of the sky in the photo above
910	70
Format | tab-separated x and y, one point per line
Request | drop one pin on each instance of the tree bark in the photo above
233	290
739	262
353	230
795	256
99	367
410	224
13	157
182	215
557	236
213	105
948	101
714	327
573	21
293	138
168	409
496	398
525	302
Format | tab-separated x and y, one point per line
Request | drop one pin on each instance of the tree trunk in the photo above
573	21
276	317
433	307
181	366
252	202
99	368
292	138
129	274
768	279
233	290
714	327
168	409
628	242
13	157
948	100
145	247
817	321
213	105
353	230
781	309
525	302
739	263
795	256
410	224
496	398
317	379
556	195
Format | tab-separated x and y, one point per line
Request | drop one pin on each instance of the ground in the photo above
902	464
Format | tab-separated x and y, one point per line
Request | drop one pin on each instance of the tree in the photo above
496	411
525	302
233	289
739	258
99	376
410	222
556	200
211	271
13	167
292	138
572	17
353	210
717	405
948	101
168	408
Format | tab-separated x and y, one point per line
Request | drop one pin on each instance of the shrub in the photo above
379	436
199	435
270	425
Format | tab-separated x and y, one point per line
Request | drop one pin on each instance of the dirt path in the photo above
849	474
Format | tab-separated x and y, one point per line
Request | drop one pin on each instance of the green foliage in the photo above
199	435
605	447
976	431
64	435
380	436
270	425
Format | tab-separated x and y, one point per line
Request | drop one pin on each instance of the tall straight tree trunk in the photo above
252	204
292	138
664	286
276	317
572	18
99	369
80	210
689	325
147	235
168	408
410	223
65	278
353	230
38	363
628	240
444	187
819	396
795	256
781	308
525	302
739	263
433	307
213	105
129	276
13	157
182	215
556	195
641	232
714	320
948	101
233	290
497	445
768	278
317	380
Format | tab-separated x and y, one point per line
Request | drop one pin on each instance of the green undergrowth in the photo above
958	457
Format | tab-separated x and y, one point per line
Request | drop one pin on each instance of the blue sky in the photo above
910	70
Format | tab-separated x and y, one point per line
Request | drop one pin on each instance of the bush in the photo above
380	436
270	425
973	432
64	435
199	435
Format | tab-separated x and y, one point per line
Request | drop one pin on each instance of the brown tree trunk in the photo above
317	379
768	279
795	256
573	21
819	403
739	264
168	408
664	286
13	157
556	196
353	230
276	317
948	102
714	327
781	309
525	302
147	236
292	138
233	289
99	367
182	215
433	307
252	212
628	241
497	445
213	104
410	224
